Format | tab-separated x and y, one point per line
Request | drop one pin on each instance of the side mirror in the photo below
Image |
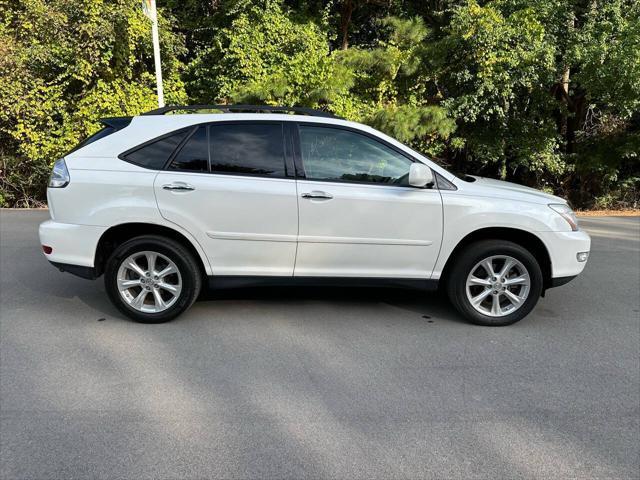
420	175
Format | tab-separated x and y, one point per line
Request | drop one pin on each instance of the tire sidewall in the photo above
171	250
471	258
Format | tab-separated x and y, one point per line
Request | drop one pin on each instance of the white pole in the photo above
156	55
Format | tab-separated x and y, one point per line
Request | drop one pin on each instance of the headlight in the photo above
60	175
566	213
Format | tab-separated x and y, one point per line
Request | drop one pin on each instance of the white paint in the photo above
244	225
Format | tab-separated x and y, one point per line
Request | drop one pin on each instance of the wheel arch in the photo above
118	234
523	238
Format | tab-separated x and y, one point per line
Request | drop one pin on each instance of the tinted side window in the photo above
253	149
194	154
155	155
340	155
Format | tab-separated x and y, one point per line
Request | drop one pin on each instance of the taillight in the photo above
60	175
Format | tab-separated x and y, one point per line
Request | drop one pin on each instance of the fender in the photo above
464	215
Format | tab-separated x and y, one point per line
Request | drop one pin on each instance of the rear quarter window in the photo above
155	154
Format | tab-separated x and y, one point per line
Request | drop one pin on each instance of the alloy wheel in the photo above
149	282
498	285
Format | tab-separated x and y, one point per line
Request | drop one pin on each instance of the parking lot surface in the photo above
318	383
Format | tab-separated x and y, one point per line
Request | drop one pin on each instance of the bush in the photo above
23	182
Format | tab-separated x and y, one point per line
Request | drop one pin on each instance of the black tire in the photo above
469	258
191	276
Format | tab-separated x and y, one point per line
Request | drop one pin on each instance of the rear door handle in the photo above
179	187
317	195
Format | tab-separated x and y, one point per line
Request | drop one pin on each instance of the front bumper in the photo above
563	248
71	245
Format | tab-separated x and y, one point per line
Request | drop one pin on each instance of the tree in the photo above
394	92
543	92
65	64
266	55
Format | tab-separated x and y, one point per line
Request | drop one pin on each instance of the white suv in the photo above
161	204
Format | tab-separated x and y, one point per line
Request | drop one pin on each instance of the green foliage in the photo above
608	47
267	56
493	66
63	65
543	92
392	88
408	122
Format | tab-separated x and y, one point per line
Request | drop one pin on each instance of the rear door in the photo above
231	185
358	215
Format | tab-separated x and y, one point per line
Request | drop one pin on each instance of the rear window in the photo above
103	132
155	155
111	125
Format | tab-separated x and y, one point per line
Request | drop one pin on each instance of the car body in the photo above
293	198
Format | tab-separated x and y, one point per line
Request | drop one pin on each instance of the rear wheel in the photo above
152	279
495	282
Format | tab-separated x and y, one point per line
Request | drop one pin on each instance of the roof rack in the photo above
243	109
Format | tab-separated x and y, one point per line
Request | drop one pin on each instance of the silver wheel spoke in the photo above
479	281
169	288
127	284
521	280
477	300
160	303
151	261
168	270
508	264
132	265
495	304
138	302
488	266
513	298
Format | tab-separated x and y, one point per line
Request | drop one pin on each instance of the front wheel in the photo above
152	279
495	283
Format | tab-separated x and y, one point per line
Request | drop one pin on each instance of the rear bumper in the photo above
83	272
563	249
71	245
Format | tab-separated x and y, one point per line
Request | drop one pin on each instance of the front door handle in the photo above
316	194
179	187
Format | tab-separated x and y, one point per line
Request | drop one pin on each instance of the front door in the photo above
358	215
229	186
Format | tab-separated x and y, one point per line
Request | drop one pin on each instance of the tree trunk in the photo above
564	84
348	6
565	80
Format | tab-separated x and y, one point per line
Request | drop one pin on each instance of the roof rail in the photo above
243	109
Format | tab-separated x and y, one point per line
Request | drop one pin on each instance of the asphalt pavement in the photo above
318	383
